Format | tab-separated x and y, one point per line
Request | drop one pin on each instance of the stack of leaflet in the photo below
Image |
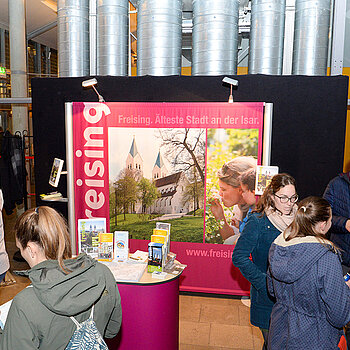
170	262
127	271
52	196
139	256
159	246
163	237
177	268
163	226
172	266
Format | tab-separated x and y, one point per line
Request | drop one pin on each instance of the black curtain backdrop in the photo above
309	118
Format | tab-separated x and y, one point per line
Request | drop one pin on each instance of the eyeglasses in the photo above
285	199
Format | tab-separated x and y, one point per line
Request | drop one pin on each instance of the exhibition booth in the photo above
309	114
155	127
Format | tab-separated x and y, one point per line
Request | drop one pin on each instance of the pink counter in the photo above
150	315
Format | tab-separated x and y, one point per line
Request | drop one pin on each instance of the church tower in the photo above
159	169
134	160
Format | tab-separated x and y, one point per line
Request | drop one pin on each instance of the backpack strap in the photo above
90	317
92	312
75	321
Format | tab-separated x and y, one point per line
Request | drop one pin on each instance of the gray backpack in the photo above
86	336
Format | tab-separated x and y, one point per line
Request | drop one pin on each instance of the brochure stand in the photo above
55	174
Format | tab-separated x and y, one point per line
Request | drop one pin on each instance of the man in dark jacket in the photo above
337	194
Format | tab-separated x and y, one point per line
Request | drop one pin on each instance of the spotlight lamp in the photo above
231	82
91	83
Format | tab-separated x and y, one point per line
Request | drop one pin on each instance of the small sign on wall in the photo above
3	72
264	174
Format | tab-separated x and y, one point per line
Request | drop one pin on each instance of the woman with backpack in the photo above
65	292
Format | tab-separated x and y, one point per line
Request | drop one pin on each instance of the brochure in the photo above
163	226
56	171
105	246
159	239
88	235
162	232
121	245
155	257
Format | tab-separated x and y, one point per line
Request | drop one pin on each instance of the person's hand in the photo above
348	283
235	222
217	210
347	225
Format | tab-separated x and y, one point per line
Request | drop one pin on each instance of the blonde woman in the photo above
39	317
231	196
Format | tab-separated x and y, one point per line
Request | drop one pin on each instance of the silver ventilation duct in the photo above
266	37
159	37
215	37
311	36
73	37
112	37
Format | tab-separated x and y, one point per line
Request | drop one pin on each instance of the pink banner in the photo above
111	139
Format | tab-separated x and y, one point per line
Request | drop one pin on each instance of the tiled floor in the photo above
9	291
206	323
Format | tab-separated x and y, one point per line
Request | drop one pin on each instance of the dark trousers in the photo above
265	334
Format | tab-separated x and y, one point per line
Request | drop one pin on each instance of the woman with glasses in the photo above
273	214
231	195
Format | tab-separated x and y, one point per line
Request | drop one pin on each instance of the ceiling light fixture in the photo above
91	83
231	82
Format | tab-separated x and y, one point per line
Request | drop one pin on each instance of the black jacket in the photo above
337	194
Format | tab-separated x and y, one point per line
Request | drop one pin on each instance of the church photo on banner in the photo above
136	164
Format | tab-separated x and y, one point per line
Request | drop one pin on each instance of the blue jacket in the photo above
256	239
312	299
337	194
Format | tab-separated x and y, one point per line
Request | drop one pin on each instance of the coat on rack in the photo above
12	172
